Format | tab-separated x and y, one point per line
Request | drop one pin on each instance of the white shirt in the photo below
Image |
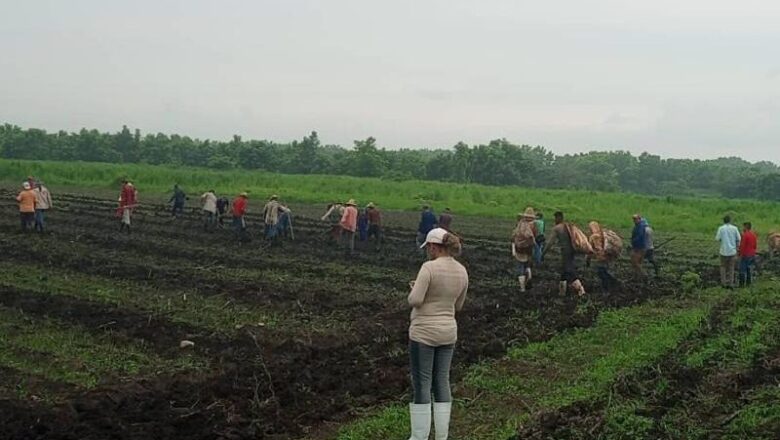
209	202
729	238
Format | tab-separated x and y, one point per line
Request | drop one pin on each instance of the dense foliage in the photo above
497	163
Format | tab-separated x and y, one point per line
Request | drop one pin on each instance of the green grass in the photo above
66	353
574	366
613	209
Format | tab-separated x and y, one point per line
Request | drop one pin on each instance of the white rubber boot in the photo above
528	274
521	280
441	419
562	288
420	416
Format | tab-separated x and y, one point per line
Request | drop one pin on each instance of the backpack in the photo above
523	236
579	241
606	243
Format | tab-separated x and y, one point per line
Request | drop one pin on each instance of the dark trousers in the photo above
746	270
430	370
27	219
607	280
39	219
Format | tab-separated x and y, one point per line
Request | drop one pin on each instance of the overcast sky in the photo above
676	78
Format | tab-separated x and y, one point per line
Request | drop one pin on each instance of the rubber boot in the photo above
441	420
420	416
562	288
521	280
528	274
578	287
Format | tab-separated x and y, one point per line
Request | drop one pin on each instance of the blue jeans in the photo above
430	369
745	270
39	223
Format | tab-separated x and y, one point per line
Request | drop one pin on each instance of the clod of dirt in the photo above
186	344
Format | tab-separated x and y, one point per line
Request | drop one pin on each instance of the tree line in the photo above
499	162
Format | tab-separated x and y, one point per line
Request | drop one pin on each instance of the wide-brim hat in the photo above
528	213
274	197
243	194
351	202
370	205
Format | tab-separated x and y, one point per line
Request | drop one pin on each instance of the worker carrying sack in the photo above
579	241
523	236
606	243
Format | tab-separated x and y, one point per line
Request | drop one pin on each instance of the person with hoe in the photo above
42	204
348	224
271	212
427	223
239	211
128	200
333	216
523	244
437	293
374	216
729	238
747	254
209	201
562	236
178	198
642	246
26	200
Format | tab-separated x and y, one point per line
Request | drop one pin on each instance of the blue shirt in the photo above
427	222
728	236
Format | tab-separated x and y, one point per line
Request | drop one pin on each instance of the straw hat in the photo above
528	213
351	202
243	194
274	197
370	205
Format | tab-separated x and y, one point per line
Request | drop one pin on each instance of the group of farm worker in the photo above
34	200
529	246
740	247
347	223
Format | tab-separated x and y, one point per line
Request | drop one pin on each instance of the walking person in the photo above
540	239
128	200
374	216
223	204
642	246
607	247
445	219
523	244
363	224
563	239
437	293
348	225
42	204
333	216
26	200
271	216
427	223
748	246
729	238
209	201
178	198
239	211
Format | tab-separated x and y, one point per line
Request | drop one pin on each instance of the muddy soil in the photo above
263	384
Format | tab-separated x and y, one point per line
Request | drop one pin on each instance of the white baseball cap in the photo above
436	236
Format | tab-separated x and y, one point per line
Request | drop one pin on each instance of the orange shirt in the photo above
26	201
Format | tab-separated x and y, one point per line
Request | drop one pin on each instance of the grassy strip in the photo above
725	362
571	367
668	213
64	353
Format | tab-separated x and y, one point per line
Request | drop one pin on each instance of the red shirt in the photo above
239	206
127	196
747	247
